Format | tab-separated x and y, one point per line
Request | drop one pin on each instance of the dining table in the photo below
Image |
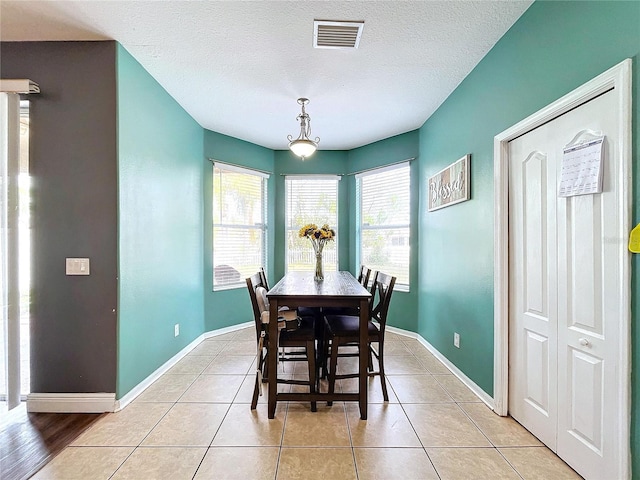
301	289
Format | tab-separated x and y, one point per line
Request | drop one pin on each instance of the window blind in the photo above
384	219
310	199
239	224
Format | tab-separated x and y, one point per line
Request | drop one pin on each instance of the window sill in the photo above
222	288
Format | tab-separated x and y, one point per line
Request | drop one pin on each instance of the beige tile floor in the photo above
195	423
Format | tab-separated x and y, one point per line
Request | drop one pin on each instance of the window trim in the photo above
239	169
287	229
263	226
402	287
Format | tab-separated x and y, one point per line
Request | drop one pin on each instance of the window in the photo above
239	224
384	218
310	199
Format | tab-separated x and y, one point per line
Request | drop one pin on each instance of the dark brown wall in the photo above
74	212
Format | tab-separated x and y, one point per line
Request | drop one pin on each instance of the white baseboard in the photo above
481	394
71	402
232	328
106	402
143	385
146	383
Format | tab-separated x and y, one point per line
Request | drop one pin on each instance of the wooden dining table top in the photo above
335	286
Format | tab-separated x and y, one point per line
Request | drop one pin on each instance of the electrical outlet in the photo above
456	340
176	330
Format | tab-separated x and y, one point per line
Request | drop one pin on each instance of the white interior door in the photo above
565	301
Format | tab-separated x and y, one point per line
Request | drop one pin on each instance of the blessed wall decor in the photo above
450	185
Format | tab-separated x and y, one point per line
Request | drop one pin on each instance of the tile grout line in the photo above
510	464
206	451
453	401
284	426
415	432
225	415
143	439
493	445
353	452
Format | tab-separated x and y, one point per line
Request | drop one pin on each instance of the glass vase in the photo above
319	273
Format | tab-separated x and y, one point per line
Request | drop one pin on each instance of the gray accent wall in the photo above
73	155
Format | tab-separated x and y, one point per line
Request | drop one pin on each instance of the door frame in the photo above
618	79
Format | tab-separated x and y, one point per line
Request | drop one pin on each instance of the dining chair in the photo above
364	276
303	312
294	333
263	278
363	279
344	330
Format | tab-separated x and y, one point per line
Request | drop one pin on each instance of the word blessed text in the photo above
444	190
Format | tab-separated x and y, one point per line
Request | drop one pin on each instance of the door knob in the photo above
584	342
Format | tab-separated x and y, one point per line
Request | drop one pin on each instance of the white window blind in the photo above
239	224
310	199
384	218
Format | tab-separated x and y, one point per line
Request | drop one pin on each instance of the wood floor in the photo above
29	440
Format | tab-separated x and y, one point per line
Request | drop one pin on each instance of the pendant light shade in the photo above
303	146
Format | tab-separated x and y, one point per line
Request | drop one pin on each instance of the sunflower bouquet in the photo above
318	238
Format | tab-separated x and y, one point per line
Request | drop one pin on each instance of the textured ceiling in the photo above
238	67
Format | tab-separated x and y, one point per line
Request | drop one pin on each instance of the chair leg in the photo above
261	367
383	378
256	392
325	354
311	360
319	361
265	367
333	367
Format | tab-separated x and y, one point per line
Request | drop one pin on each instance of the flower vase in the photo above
319	273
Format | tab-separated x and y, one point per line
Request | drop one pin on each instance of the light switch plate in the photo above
78	266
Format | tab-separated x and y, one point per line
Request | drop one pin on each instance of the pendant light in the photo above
303	146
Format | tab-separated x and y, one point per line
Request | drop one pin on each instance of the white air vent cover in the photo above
333	34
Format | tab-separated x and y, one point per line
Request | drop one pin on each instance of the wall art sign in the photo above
450	185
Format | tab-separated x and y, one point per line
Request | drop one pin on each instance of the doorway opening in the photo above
7	341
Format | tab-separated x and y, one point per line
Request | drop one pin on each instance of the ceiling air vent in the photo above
332	34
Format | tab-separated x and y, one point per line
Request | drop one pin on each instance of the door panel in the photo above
584	240
586	409
564	300
532	302
535	249
537	372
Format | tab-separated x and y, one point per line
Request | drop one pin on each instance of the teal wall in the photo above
230	307
552	49
160	214
403	311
